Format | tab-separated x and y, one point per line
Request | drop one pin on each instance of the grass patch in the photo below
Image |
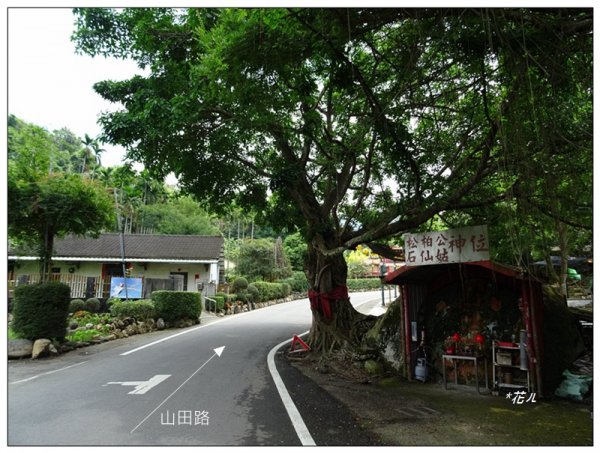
388	382
12	335
472	419
83	335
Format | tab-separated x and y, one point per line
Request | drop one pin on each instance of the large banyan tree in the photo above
349	125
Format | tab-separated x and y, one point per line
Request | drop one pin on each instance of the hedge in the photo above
41	310
210	305
173	306
271	291
230	298
242	297
296	285
139	309
359	284
252	293
299	282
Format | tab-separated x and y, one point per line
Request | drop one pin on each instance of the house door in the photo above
179	280
110	270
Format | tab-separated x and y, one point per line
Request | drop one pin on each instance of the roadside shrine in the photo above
454	313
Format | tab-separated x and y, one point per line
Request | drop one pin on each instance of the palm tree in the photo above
87	143
97	150
92	149
106	175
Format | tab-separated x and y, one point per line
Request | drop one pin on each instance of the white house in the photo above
180	262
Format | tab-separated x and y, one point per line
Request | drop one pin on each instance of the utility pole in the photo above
122	243
383	272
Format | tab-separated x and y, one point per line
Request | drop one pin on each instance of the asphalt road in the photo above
207	385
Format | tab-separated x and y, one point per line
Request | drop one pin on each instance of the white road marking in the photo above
142	387
212	323
186	332
218	352
48	372
290	407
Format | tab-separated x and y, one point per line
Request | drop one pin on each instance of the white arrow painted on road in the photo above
142	387
218	352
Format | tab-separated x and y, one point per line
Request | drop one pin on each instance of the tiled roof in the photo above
140	246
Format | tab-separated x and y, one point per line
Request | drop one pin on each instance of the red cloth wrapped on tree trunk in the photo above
321	302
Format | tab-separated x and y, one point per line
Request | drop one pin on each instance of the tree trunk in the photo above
560	277
563	243
336	324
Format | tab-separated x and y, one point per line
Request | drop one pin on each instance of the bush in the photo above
299	282
271	291
226	297
263	291
76	305
173	306
138	309
92	305
361	284
287	289
41	310
240	284
253	293
210	305
110	302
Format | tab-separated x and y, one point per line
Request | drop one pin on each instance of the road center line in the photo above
290	407
184	332
206	325
48	372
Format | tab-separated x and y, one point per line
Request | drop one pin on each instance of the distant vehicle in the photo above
576	266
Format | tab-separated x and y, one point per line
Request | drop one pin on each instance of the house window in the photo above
55	270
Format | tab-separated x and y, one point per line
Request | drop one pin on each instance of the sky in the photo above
51	86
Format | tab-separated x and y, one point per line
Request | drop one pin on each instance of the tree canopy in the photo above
262	259
145	204
367	121
180	215
350	125
55	205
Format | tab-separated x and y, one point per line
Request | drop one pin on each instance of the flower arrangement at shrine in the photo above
469	344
